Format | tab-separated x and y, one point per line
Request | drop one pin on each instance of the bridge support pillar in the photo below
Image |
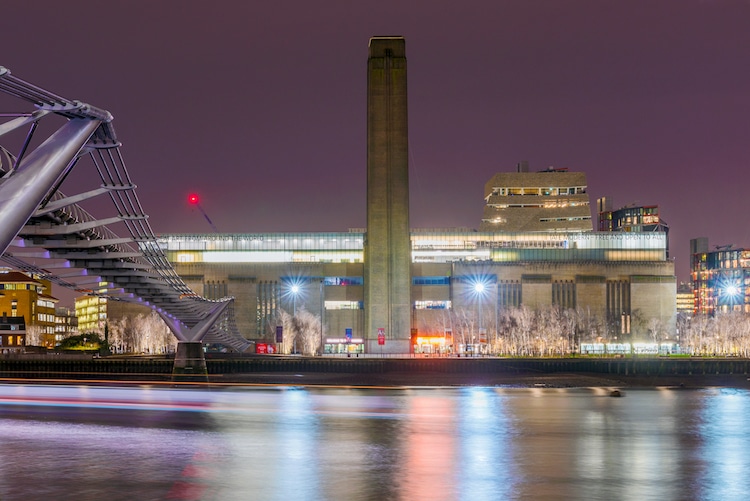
189	363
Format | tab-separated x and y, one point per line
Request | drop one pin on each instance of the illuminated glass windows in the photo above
345	305
431	281
343	281
432	305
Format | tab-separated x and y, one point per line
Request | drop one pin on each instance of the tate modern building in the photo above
387	289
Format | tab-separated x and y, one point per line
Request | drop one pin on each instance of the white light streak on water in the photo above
123	443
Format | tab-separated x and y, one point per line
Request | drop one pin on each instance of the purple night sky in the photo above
260	106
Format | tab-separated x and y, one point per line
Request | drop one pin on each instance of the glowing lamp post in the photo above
294	290
322	314
732	293
480	290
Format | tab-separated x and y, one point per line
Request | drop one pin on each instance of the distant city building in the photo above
623	279
685	300
95	313
553	200
66	323
631	218
91	312
12	334
721	278
27	297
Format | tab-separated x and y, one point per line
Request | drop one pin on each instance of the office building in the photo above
94	313
12	334
629	218
685	300
28	297
66	323
721	278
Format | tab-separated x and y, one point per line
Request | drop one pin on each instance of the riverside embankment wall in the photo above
161	368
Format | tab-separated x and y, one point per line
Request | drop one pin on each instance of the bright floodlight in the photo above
479	287
295	289
732	290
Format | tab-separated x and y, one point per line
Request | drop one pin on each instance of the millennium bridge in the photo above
45	230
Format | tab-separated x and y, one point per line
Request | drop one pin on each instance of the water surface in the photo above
475	443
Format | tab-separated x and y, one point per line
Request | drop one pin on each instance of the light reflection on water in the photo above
92	443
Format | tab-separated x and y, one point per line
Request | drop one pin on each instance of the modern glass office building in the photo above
721	280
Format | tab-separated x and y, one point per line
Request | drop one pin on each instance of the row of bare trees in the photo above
520	331
723	334
130	334
141	334
301	331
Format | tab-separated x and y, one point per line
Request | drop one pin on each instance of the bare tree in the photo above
525	319
34	336
122	335
301	331
153	334
309	335
655	329
570	323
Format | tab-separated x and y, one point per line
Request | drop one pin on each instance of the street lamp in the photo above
294	290
322	314
731	291
480	289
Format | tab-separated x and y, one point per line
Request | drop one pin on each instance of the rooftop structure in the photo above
632	217
427	246
553	200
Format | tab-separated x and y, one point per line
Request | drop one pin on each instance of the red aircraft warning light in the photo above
194	200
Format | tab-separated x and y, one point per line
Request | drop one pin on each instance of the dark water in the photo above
98	443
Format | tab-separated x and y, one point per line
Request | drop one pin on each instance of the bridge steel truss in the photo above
39	223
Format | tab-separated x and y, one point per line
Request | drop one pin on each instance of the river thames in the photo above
311	443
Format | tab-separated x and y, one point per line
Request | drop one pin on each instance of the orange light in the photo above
439	340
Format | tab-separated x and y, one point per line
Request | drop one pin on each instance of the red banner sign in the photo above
264	348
